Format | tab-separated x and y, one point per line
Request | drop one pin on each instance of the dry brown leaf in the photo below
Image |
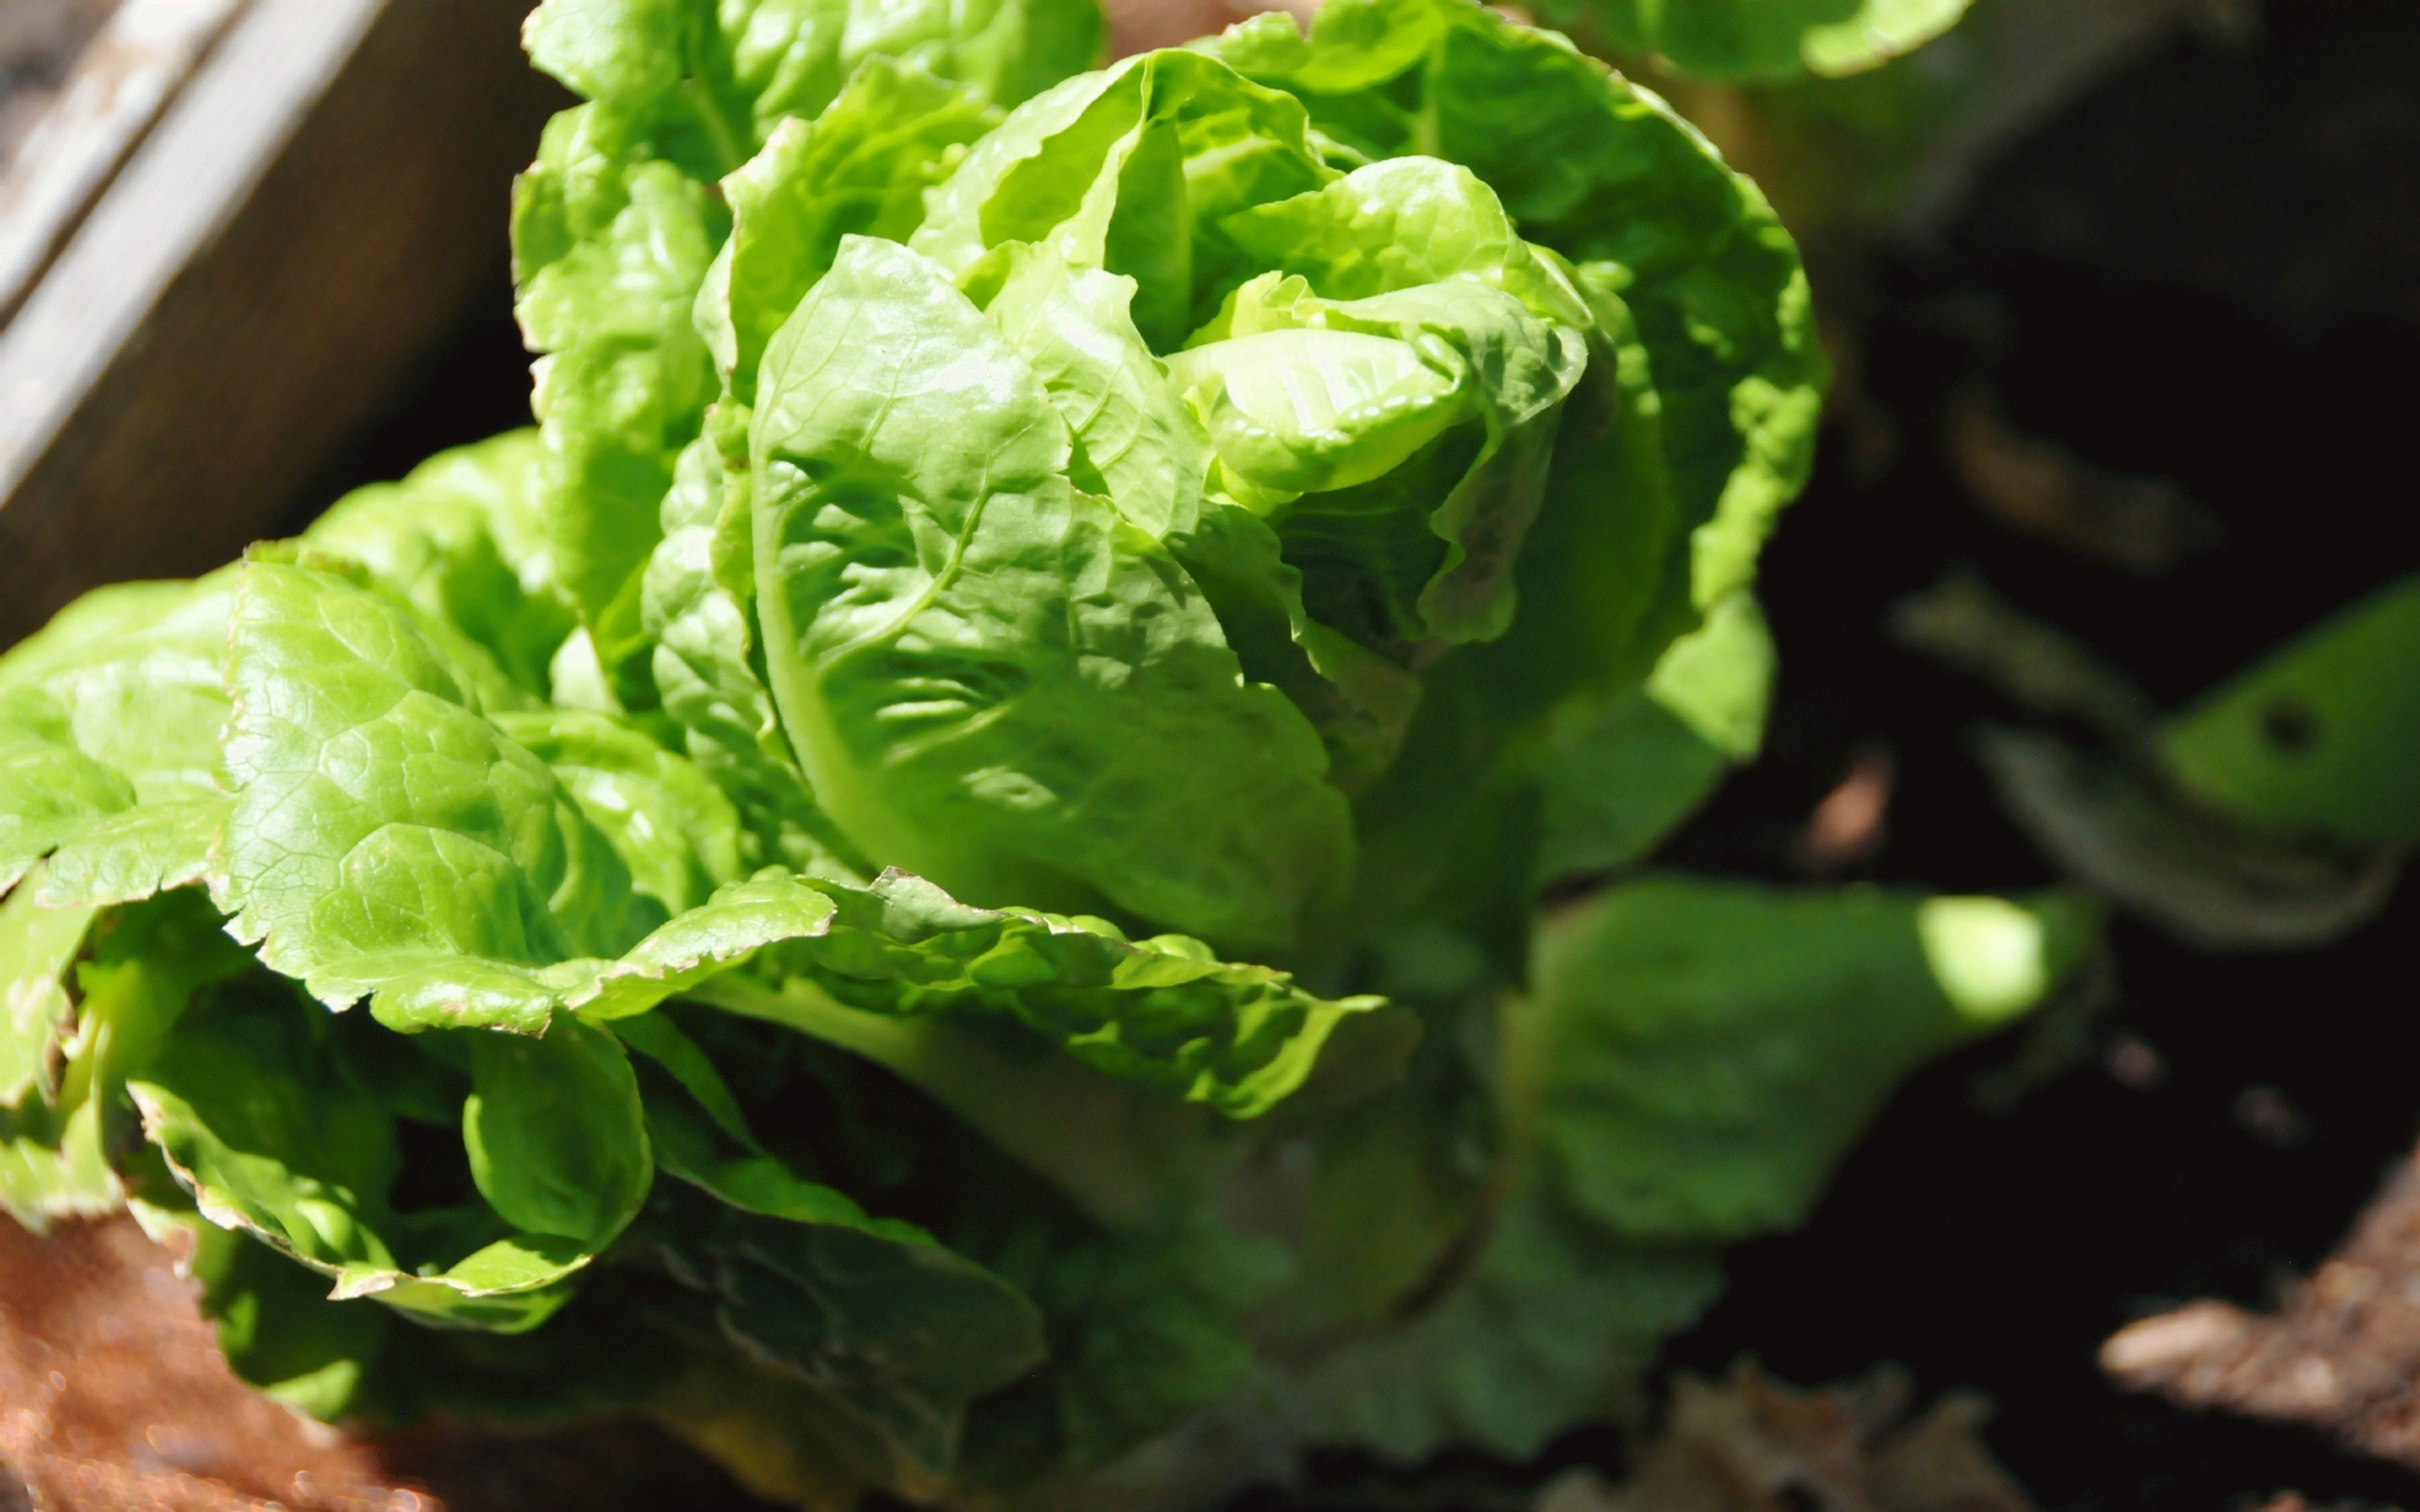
2338	1355
1753	1444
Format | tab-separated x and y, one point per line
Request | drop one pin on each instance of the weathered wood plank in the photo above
122	82
296	236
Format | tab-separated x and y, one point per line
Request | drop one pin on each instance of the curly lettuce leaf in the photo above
110	720
1163	1012
1132	170
462	539
1337	415
379	816
253	1117
609	256
674	829
858	168
988	678
69	1117
615	226
732	71
1609	178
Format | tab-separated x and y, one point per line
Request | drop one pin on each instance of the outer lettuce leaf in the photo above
1609	178
462	539
1615	776
889	1331
558	1144
275	1323
37	946
1696	1057
2322	735
1549	1324
1692	1062
1163	1012
379	817
987	676
109	731
69	1116
1769	39
253	1117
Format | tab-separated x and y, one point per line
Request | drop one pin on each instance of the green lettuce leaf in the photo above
379	817
110	720
1132	170
254	1118
891	1333
987	676
1548	1325
1615	776
674	829
1609	178
614	227
1767	38
1696	1056
70	1056
732	71
2322	735
609	256
712	688
462	539
858	168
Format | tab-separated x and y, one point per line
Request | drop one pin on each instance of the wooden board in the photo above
300	233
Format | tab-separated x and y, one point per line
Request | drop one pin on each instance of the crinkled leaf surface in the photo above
1163	1012
255	1120
861	168
110	721
379	817
987	676
1132	170
1610	180
462	539
672	825
710	686
614	228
